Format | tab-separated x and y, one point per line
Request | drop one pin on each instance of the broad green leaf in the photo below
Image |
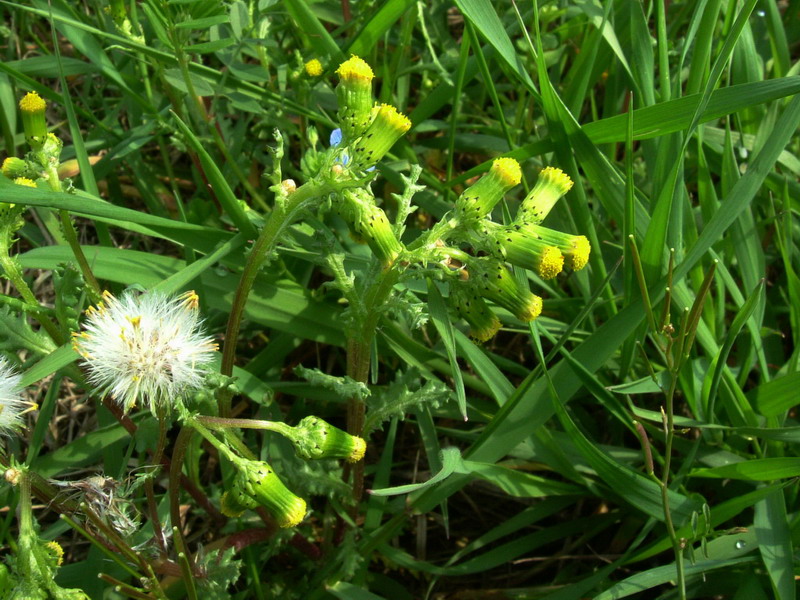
499	386
518	483
57	359
774	536
647	580
759	469
80	452
775	397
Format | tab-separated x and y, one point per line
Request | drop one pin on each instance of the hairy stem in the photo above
279	219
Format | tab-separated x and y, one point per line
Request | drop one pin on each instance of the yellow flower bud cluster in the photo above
523	243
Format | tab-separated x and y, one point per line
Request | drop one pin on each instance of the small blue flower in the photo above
336	137
335	140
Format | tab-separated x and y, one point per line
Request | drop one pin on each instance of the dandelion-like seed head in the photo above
12	406
147	347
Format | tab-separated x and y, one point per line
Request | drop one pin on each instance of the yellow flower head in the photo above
388	116
480	198
508	170
55	549
550	186
25	181
355	68
386	128
314	68
579	256
32	103
14	167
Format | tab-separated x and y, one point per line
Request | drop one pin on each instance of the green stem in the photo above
212	439
71	235
220	423
677	547
150	483
359	354
115	556
175	468
282	215
14	274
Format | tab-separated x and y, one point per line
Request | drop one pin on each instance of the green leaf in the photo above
518	483
80	452
482	14
759	469
203	23
347	591
217	181
57	359
381	21
209	47
441	320
774	398
676	115
450	459
775	543
313	29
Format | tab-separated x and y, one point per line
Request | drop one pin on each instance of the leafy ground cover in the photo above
632	434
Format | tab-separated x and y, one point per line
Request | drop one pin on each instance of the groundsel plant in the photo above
151	349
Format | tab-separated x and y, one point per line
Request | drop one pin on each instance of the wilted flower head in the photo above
12	406
147	347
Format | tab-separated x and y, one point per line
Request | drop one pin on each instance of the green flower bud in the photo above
480	198
52	146
234	502
116	9
317	439
575	248
493	280
551	185
388	126
368	223
14	167
483	323
32	108
11	219
256	483
354	93
522	247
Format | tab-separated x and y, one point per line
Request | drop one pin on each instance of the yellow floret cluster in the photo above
32	103
355	68
508	170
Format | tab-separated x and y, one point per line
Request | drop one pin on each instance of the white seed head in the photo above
12	406
147	347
